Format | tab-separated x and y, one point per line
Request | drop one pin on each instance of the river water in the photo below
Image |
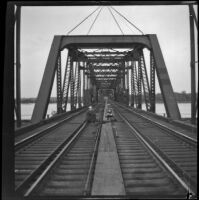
27	109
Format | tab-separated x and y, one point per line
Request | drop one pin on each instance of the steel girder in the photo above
152	82
164	80
145	82
136	91
83	86
59	86
72	84
132	84
43	97
127	81
76	83
139	84
105	41
67	77
79	93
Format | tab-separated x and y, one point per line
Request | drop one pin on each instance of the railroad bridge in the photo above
135	153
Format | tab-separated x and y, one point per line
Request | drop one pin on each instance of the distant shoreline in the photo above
180	98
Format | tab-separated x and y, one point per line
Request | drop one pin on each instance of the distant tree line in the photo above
182	97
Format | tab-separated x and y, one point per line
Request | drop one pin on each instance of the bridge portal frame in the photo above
106	41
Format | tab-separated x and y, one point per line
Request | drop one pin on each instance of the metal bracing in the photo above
145	81
152	82
72	84
136	97
79	88
127	82
170	102
76	78
86	97
59	86
139	83
66	83
84	85
132	84
41	105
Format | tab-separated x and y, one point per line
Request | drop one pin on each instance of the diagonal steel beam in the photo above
41	105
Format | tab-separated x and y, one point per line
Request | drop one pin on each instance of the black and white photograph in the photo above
100	100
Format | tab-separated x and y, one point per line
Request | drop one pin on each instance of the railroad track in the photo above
154	160
33	159
26	138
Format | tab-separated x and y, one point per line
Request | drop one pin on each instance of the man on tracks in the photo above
91	115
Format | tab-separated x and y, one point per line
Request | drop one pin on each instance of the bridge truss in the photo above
105	62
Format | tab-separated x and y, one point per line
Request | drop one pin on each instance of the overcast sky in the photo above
40	24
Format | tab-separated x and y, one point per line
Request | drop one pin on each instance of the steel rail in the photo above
156	154
178	134
29	139
46	162
92	164
58	156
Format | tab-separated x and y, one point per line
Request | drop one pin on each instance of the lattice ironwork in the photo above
132	84
76	84
59	86
72	84
139	86
145	81
66	84
84	85
136	91
152	82
79	89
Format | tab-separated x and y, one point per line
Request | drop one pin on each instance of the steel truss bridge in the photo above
66	156
107	69
110	62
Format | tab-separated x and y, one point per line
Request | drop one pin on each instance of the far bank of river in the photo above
27	109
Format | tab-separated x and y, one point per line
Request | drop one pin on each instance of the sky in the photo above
40	24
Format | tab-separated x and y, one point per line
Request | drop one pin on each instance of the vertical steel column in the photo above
132	84
193	76
127	82
18	66
89	89
59	86
83	82
145	81
79	93
152	82
86	87
139	82
72	81
66	83
136	85
7	92
76	85
123	79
